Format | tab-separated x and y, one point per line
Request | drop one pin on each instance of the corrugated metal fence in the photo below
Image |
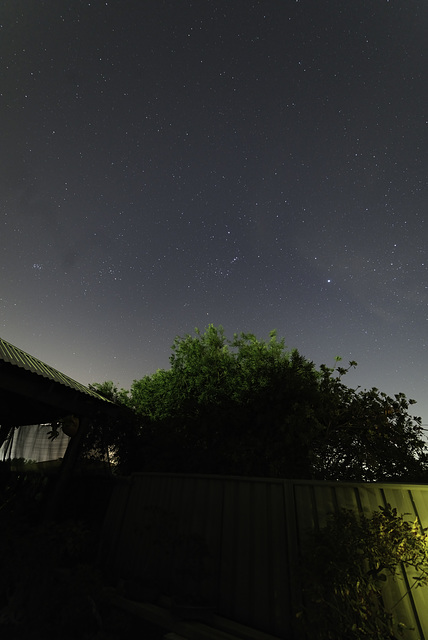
236	541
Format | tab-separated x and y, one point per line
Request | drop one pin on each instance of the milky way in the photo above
260	165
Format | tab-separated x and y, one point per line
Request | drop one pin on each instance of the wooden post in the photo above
66	469
5	430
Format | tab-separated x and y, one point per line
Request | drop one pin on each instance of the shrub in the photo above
345	567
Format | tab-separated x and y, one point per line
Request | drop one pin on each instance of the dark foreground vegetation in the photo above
51	584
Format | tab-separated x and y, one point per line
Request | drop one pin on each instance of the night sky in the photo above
166	164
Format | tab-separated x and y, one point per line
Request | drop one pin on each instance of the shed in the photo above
33	393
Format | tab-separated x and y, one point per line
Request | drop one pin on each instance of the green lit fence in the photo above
236	541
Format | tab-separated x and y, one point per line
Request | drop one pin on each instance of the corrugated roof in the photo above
19	358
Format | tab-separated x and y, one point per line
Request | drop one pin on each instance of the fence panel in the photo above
236	541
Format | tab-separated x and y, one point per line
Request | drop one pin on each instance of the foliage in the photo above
246	406
345	567
229	406
111	440
366	435
45	583
110	391
50	583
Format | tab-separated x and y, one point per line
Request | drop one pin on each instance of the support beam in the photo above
66	469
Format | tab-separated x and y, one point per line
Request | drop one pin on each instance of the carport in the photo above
34	393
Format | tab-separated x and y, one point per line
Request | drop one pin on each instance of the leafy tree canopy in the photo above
111	440
253	407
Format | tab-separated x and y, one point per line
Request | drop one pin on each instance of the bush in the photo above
44	585
346	565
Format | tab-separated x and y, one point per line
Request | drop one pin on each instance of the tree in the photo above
366	434
108	439
246	406
218	401
110	391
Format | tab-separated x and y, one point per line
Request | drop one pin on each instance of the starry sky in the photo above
259	164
